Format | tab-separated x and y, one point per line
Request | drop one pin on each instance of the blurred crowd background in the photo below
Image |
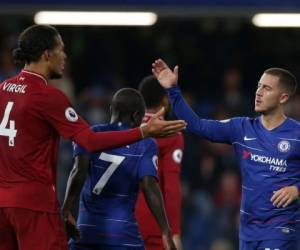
220	59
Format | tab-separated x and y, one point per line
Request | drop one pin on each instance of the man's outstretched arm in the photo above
217	131
96	141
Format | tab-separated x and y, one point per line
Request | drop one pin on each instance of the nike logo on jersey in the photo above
249	138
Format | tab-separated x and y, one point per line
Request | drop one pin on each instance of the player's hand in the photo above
70	225
168	241
166	77
285	196
157	127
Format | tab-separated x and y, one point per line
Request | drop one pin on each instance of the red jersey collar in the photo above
35	75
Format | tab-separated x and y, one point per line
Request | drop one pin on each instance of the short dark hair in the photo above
152	91
33	41
286	79
126	101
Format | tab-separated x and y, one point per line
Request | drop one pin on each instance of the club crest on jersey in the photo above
71	114
284	146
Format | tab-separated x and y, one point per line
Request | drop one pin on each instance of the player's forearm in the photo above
216	131
76	181
177	241
73	189
183	110
97	141
154	201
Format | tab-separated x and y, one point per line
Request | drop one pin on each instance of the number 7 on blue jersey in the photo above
115	160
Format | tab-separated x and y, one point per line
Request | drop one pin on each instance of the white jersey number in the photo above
115	160
10	132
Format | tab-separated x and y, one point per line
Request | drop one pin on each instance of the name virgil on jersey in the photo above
13	87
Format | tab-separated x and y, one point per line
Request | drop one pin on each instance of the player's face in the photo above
268	94
57	57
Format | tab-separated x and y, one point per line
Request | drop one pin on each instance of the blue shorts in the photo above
79	246
269	245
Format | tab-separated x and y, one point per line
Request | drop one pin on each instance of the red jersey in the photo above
169	160
33	115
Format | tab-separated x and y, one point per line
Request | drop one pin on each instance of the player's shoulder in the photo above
52	91
243	121
237	119
52	97
293	123
149	142
170	141
293	126
146	145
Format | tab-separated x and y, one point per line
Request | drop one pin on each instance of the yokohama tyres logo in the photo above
276	164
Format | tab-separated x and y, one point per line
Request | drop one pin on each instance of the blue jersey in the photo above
107	200
269	160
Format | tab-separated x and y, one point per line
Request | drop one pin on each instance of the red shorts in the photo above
24	229
153	243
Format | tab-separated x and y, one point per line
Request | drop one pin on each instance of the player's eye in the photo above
267	88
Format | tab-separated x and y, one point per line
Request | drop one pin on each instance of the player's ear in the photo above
46	55
165	102
284	97
136	118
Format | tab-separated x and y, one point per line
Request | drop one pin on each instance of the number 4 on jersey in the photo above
10	132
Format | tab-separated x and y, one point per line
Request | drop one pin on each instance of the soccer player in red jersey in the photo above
33	116
169	160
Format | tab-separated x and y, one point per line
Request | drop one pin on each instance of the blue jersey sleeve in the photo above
148	163
225	131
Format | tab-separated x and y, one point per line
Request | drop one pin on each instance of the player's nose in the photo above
259	92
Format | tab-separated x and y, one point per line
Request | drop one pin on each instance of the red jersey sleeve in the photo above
169	165
58	111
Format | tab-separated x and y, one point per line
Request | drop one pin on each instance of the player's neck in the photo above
123	120
154	110
37	68
272	120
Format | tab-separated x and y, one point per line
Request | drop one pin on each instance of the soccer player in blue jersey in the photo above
106	218
268	148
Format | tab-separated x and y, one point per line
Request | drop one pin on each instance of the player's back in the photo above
23	152
32	117
107	203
